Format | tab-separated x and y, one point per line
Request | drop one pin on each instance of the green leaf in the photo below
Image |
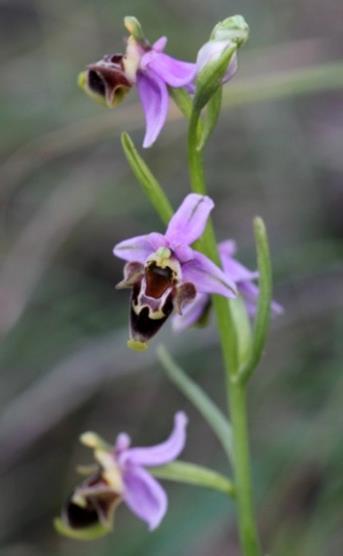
149	183
85	534
264	301
240	319
184	472
206	407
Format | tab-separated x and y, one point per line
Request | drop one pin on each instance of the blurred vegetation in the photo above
67	196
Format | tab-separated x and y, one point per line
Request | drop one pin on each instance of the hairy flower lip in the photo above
107	79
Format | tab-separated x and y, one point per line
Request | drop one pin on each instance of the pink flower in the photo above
149	69
120	475
166	273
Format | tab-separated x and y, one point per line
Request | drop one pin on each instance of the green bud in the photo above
234	29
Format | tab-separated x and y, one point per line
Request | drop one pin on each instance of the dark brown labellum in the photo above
108	80
99	504
142	326
158	280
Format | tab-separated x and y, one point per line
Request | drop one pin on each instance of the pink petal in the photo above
234	269
162	453
153	95
191	313
189	221
144	496
227	248
207	277
134	249
160	44
122	443
175	73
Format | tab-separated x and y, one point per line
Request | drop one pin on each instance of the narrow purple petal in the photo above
153	95
237	271
175	73
189	221
227	248
207	277
191	313
144	496
250	293
277	309
162	453
134	249
122	443
231	266
160	44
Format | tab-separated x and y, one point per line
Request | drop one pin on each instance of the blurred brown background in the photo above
67	196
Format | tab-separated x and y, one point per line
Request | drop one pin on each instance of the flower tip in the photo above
93	440
134	27
181	419
136	345
234	29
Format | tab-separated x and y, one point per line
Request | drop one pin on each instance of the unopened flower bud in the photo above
234	29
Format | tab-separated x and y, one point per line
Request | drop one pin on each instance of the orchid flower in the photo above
244	279
145	66
120	475
164	272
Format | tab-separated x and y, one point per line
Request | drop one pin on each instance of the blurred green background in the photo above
67	196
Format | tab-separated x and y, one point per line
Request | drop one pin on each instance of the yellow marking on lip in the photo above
135	345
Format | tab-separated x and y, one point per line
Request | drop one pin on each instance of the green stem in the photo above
236	392
196	170
246	519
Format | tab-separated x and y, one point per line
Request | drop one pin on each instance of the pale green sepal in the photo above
211	118
184	472
234	29
134	28
135	345
241	322
264	301
87	534
94	441
149	183
210	78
